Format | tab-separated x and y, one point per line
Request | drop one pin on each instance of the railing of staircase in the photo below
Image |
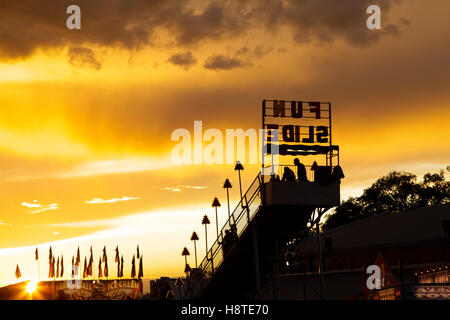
239	219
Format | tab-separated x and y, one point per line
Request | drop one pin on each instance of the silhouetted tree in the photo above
349	211
395	192
434	190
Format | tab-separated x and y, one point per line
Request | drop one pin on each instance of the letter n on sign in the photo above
279	108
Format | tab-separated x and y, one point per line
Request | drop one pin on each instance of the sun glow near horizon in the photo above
161	256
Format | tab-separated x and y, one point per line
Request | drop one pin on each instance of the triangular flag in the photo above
104	254
76	267
141	271
53	266
121	267
50	268
387	277
106	267
118	268
57	268
77	261
18	274
133	268
91	262
62	267
85	268
100	273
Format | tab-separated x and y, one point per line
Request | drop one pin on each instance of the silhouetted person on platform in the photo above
337	174
301	171
315	169
274	178
288	175
226	242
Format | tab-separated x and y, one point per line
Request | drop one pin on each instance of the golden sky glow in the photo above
85	133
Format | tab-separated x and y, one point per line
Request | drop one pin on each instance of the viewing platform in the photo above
277	193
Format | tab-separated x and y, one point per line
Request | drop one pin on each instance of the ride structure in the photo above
274	211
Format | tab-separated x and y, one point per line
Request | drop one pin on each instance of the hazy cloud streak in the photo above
113	200
34	204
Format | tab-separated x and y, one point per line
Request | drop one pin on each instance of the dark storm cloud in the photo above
243	57
328	20
217	20
221	62
184	60
261	51
83	57
28	25
256	52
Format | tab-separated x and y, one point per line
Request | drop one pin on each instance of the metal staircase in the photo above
231	232
242	258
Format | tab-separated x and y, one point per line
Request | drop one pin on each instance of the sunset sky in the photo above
87	115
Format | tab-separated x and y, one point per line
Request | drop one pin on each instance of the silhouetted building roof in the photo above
418	225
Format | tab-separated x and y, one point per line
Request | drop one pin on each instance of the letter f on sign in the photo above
374	280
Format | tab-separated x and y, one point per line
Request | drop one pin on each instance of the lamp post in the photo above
205	221
227	185
216	204
188	270
179	283
170	295
238	167
194	238
185	253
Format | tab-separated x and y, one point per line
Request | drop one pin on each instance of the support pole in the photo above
240	184
39	270
195	249
228	201
277	273
256	259
217	225
319	249
304	285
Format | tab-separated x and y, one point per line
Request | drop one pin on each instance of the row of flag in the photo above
59	270
56	267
